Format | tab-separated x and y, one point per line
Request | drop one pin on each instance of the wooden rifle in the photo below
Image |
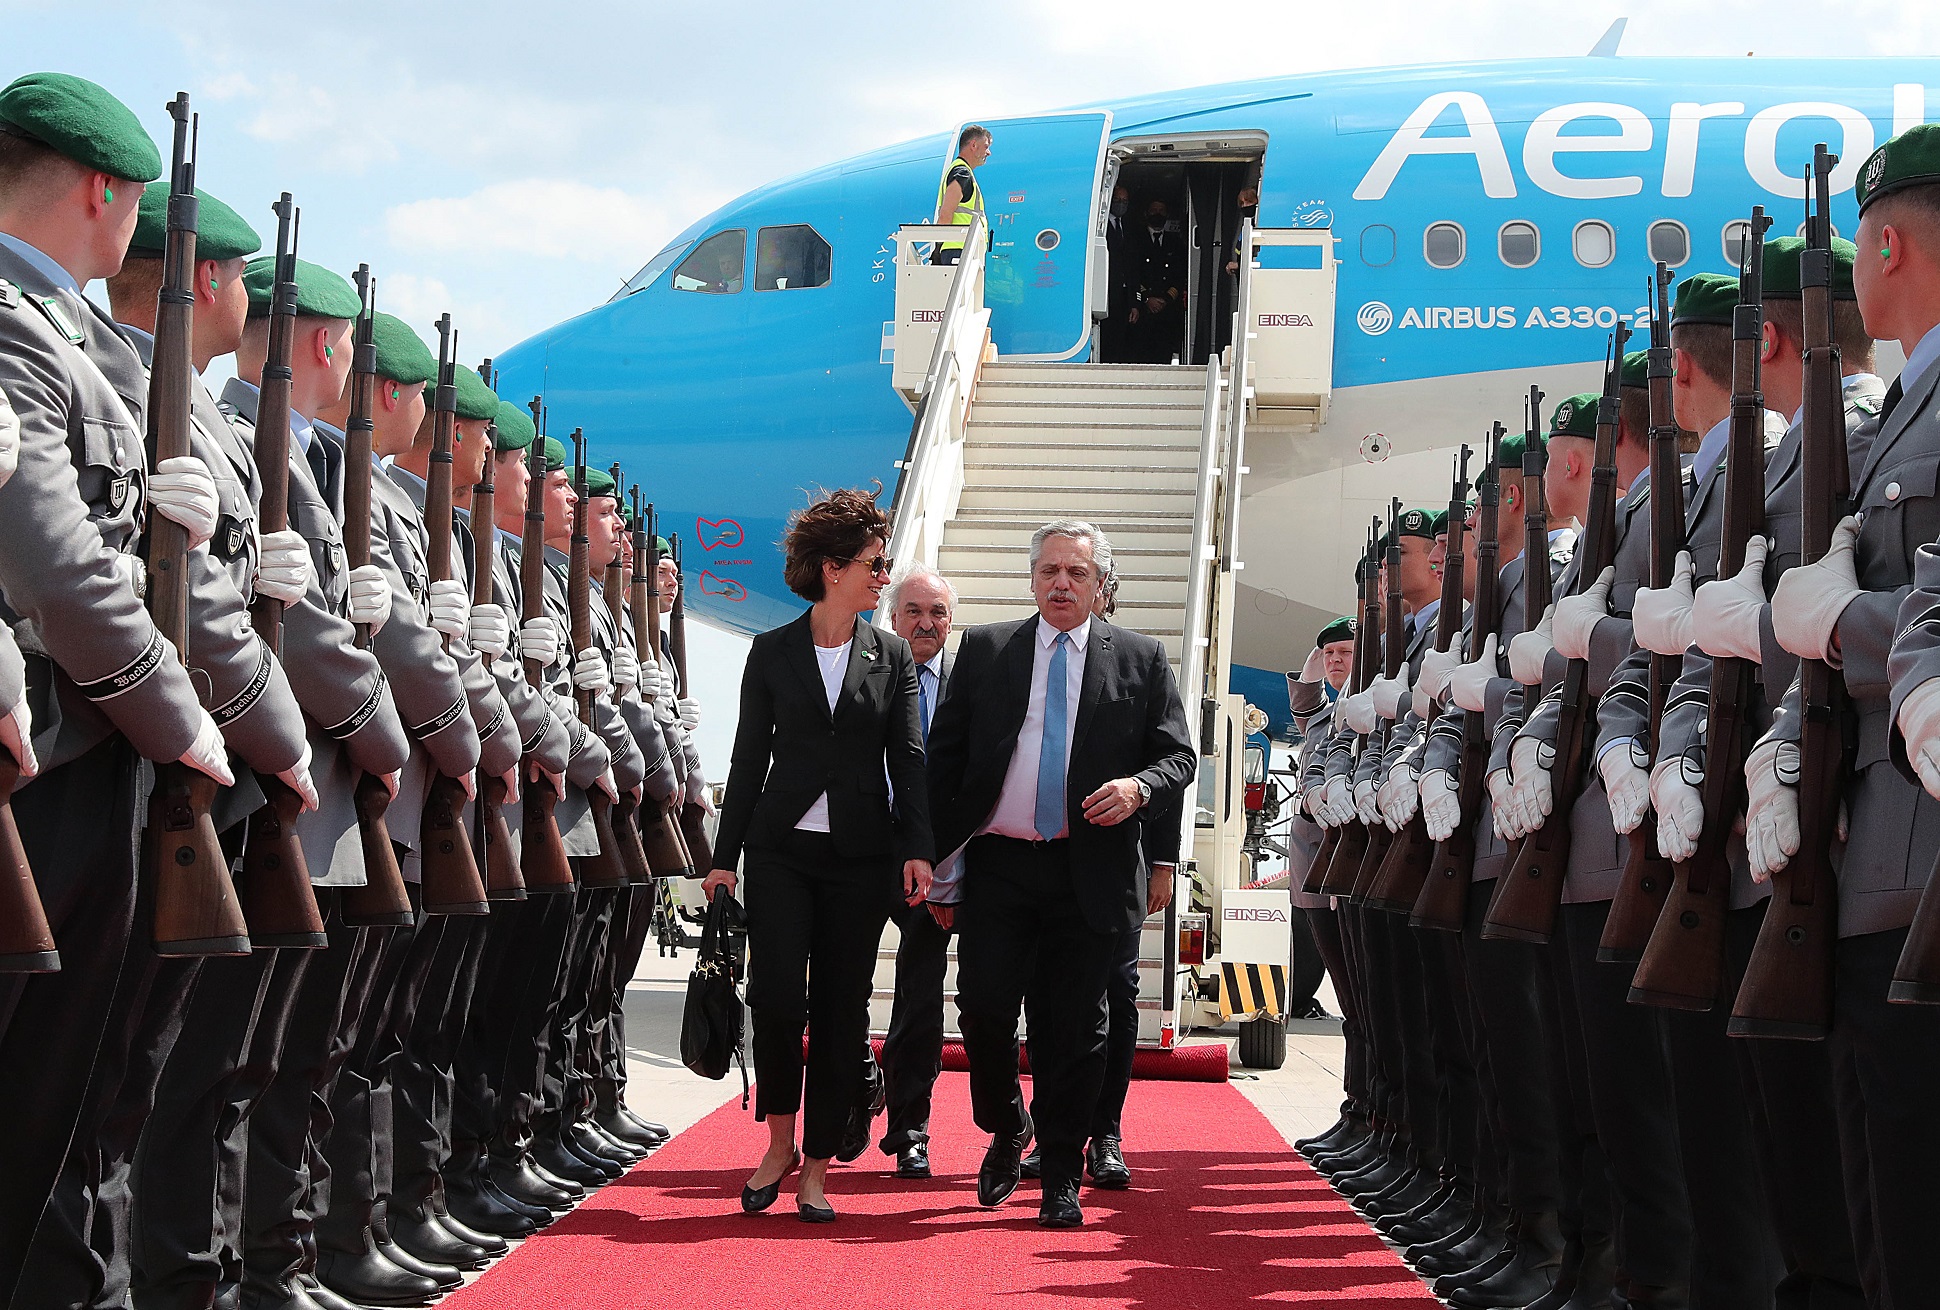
1394	639
196	911
606	868
1442	898
490	833
1538	585
1405	870
1683	965
383	901
668	854
1345	865
542	850
1527	895
1787	986
628	813
693	815
1646	873
451	881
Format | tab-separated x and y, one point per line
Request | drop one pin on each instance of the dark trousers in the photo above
1589	1204
1890	1136
1328	940
1121	1036
1309	965
1505	985
567	1071
521	1016
912	1053
1024	943
78	824
1630	1093
422	1074
815	922
633	924
1451	1037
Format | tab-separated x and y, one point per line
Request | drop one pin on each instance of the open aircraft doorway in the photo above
1170	232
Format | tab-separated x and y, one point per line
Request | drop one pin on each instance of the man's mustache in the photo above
926	631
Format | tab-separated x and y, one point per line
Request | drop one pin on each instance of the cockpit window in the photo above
655	267
790	258
716	266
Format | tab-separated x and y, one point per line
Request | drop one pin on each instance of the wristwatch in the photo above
1144	792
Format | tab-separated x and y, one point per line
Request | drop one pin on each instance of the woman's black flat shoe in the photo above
756	1199
814	1214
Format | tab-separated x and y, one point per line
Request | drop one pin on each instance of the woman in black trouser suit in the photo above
829	725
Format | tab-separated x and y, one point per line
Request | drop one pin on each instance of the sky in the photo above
515	164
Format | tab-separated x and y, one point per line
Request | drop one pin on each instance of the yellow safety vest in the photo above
973	206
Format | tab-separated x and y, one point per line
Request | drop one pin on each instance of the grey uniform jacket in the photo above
95	664
665	770
352	722
1306	835
582	753
629	769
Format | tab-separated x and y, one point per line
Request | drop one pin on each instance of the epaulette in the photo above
9	295
1867	405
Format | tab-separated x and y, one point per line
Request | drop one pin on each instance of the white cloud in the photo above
547	219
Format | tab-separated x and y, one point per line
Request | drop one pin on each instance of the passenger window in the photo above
716	265
1734	242
790	258
1669	242
1444	244
1519	244
1377	245
1594	243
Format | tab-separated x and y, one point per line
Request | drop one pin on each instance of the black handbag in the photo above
713	1027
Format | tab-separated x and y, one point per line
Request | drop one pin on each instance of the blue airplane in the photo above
1492	222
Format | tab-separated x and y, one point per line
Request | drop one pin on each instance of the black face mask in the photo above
1118	208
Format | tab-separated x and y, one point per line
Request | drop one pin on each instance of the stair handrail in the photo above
1236	400
936	422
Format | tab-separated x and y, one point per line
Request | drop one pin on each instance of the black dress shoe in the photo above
1481	1242
608	1169
1105	1162
855	1135
913	1161
756	1199
814	1214
1534	1266
619	1127
557	1158
517	1180
592	1137
282	1294
1442	1287
367	1278
493	1245
1032	1165
574	1191
538	1214
446	1276
997	1178
323	1297
647	1126
430	1241
1058	1208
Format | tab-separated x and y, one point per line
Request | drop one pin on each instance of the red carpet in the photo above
1205	1063
1222	1213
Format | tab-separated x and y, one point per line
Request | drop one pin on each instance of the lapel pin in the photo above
868	655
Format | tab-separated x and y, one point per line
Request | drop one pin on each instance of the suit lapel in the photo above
1912	403
1783	458
1015	689
1097	653
862	658
799	643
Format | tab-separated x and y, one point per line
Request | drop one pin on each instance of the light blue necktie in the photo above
1050	759
923	676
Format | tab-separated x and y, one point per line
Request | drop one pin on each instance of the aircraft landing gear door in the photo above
1040	195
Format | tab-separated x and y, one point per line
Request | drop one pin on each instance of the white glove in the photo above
450	606
652	681
1398	797
606	784
1387	694
1337	801
17	728
1662	618
1367	802
488	631
1441	804
589	672
1577	616
1357	712
1772	806
1468	686
626	669
1626	785
9	444
539	641
1529	650
182	490
207	754
1680	807
1726	618
690	713
511	780
1530	759
1310	799
1310	673
1437	668
283	567
1502	792
1809	599
1919	721
370	596
297	779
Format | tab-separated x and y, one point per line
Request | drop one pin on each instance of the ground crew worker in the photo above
958	197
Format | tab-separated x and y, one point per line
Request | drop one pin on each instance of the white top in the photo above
835	662
1016	812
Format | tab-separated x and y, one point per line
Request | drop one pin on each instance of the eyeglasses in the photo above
880	565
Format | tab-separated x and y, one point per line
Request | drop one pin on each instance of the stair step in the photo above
1151	450
1086	476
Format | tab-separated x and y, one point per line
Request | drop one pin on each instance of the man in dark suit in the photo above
1159	270
1054	732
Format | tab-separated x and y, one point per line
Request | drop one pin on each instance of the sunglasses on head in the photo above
879	565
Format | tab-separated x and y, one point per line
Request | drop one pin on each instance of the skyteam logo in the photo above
1375	318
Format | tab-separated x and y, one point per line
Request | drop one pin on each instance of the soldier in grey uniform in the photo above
105	689
1849	607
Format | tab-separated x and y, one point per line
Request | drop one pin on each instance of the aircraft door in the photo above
1041	191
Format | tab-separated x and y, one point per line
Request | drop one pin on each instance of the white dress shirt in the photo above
1016	812
834	662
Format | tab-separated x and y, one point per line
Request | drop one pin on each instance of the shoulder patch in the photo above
1867	405
9	295
58	315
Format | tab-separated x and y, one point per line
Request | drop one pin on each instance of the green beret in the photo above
402	355
555	455
515	430
1575	417
1910	159
1782	267
662	546
626	515
1438	523
75	118
1635	371
319	292
220	232
1341	629
1705	298
475	399
1417	523
599	482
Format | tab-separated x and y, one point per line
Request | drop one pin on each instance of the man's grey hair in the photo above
892	596
1077	530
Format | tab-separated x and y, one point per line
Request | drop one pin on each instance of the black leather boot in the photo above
1532	1271
368	1278
517	1180
1596	1274
619	1127
557	1158
323	1296
1488	1238
1447	1283
1639	1297
1423	1188
597	1138
1450	1200
1354	1156
280	1293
